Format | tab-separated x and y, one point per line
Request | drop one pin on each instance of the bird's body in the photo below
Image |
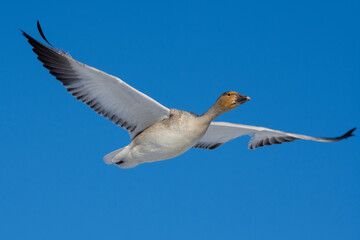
157	132
164	140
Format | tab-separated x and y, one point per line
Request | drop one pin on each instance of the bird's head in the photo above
230	100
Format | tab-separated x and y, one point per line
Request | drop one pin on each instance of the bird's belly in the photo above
157	146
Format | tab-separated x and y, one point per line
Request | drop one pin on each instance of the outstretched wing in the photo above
107	95
219	133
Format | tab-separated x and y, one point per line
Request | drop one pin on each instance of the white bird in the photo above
157	132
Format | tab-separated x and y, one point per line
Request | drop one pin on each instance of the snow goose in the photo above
157	132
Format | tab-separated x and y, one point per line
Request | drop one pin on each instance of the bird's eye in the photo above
229	94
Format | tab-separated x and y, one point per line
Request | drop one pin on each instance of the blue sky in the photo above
299	63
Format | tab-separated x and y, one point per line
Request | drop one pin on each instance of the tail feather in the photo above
110	158
118	157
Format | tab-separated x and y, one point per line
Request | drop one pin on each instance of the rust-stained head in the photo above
230	100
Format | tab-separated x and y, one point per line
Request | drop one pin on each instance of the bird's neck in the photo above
211	114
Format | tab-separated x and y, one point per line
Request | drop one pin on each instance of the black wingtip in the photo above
349	133
42	34
25	34
344	136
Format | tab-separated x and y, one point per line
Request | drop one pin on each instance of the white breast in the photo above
168	138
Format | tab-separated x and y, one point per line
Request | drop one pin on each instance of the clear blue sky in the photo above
299	63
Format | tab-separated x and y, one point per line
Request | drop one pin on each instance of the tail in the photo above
118	157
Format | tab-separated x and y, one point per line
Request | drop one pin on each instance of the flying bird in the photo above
157	132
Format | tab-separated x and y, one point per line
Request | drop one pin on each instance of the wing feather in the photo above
219	133
107	95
